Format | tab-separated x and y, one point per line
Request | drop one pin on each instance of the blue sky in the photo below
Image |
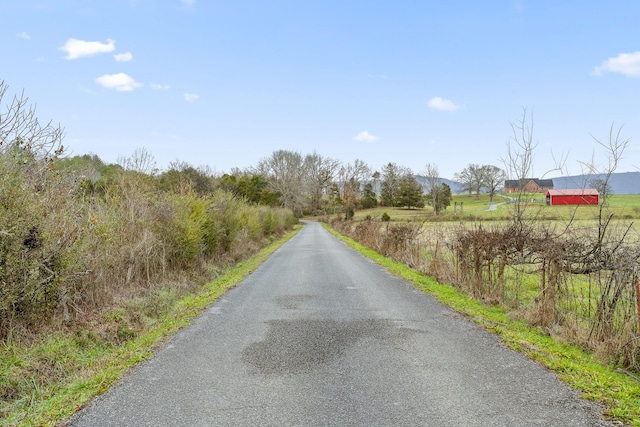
225	83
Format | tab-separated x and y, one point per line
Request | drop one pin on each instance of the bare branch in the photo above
20	128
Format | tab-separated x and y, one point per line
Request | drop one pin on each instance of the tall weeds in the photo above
578	283
87	264
67	252
74	244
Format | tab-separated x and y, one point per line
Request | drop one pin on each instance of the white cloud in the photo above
23	35
625	63
121	82
78	48
365	136
442	104
123	57
191	97
156	86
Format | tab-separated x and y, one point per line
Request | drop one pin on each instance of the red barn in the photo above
573	197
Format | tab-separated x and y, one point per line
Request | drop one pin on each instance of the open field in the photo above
465	207
565	269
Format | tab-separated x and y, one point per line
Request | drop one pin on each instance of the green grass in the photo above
89	365
624	206
619	393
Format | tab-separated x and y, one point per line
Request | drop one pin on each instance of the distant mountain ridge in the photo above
620	183
456	187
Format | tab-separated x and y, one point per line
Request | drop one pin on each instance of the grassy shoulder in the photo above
89	365
619	393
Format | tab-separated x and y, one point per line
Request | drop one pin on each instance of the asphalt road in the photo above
321	336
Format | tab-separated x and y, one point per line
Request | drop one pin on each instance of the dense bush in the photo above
79	237
67	249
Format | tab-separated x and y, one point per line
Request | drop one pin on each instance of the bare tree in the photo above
352	178
320	172
520	148
141	161
519	159
614	148
613	252
493	178
432	176
472	178
439	197
21	129
284	171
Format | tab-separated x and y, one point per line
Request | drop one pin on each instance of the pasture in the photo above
464	208
566	269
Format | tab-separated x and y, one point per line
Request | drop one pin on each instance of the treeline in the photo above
78	235
315	184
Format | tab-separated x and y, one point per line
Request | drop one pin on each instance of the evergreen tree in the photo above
409	193
369	199
390	186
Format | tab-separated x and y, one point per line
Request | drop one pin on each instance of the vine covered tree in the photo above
439	197
438	193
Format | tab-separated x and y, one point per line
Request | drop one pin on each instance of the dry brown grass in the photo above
68	254
566	278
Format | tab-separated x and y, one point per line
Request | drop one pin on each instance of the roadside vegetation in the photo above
618	391
568	273
545	270
55	375
96	258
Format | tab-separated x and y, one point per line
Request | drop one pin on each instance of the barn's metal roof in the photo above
514	183
578	192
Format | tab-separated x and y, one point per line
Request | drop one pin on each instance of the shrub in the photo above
79	238
349	213
35	254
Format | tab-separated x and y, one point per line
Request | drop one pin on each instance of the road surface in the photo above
321	336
